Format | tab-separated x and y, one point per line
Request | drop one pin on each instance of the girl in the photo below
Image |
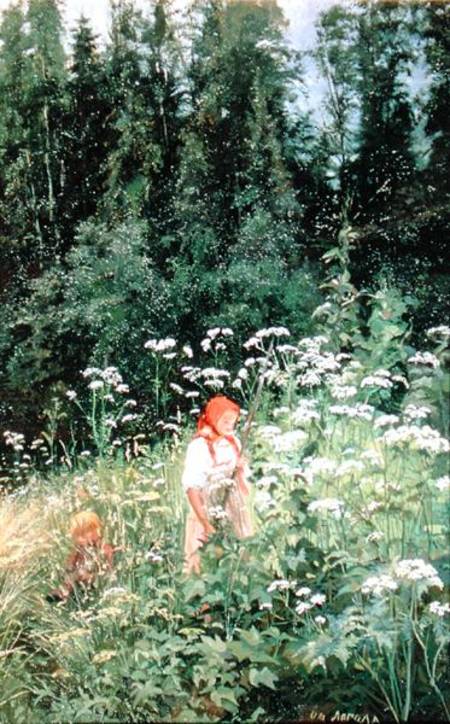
214	479
89	558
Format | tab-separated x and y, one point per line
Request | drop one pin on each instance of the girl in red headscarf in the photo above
214	479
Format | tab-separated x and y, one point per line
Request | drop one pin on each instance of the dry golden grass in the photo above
25	534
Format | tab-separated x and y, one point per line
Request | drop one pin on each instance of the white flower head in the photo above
212	333
122	389
265	606
289	440
318	599
303	591
376	381
378	585
441	332
280	584
443	483
96	385
327	505
439	609
71	394
273	331
418	570
424	358
386	420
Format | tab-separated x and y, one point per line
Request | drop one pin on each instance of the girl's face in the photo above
87	538
226	422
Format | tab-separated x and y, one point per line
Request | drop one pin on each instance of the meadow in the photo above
336	609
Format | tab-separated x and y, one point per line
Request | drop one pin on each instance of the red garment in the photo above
210	416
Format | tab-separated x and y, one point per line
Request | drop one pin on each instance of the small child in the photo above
90	558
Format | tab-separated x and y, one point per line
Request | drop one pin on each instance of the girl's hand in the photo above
208	529
241	464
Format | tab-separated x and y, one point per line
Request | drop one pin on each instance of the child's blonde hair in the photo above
85	522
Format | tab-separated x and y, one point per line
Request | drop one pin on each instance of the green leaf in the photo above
263	676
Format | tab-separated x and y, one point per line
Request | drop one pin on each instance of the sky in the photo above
300	13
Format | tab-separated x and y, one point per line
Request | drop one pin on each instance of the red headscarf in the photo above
210	416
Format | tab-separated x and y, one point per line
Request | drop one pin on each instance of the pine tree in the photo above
87	131
385	170
437	36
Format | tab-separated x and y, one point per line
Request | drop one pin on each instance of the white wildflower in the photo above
302	607
310	379
96	385
187	351
280	584
313	343
303	591
263	500
317	599
441	332
265	606
212	333
176	388
266	481
378	585
268	431
414	412
348	467
360	411
420	438
91	371
386	420
71	394
331	505
111	376
320	620
289	440
418	570
343	392
129	418
273	332
376	381
402	380
122	389
424	358
305	412
439	609
443	483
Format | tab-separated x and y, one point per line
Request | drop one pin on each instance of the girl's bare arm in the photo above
196	500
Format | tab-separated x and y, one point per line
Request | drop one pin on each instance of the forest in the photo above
191	205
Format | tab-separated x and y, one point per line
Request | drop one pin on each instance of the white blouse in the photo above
199	464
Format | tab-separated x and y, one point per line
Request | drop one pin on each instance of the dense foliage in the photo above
336	607
177	178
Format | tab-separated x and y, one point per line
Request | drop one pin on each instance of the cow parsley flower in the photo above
439	609
327	505
418	570
424	358
378	585
443	483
